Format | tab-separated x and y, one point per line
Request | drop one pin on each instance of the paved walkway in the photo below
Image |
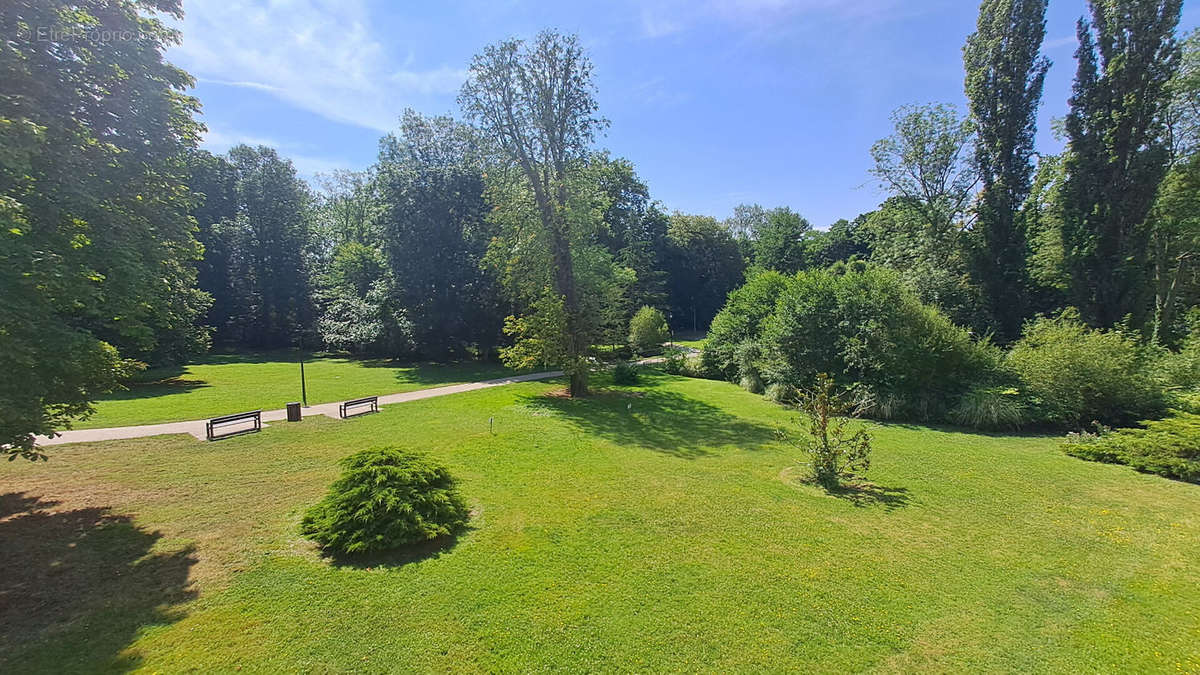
196	427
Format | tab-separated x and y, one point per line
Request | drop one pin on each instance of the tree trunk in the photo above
564	276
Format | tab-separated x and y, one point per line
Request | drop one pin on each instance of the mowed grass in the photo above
649	528
231	383
691	340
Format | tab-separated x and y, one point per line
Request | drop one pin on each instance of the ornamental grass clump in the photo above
386	498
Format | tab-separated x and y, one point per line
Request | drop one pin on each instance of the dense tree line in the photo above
510	232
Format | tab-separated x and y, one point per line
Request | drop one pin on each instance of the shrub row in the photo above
1169	447
861	325
864	326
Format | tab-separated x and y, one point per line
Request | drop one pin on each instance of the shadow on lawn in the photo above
860	494
870	494
78	585
162	387
433	374
664	421
429	550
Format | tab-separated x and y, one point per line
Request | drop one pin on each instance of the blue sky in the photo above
716	102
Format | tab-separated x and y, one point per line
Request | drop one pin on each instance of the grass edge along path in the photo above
223	384
197	428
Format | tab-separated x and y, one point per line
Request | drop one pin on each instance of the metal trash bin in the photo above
293	412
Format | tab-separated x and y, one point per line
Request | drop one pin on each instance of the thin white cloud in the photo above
318	55
219	140
1056	43
657	23
244	85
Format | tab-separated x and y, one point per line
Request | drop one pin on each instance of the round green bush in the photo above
866	327
648	330
385	499
1075	375
625	373
740	322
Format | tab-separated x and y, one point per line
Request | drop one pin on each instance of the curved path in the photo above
196	427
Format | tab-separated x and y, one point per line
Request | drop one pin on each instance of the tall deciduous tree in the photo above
703	265
97	251
536	102
1175	240
1005	76
1117	153
926	163
432	222
213	181
259	239
1183	114
781	241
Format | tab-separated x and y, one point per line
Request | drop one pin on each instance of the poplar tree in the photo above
1117	153
1005	77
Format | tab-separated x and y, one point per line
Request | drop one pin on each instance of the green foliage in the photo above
386	498
866	327
648	330
925	162
1175	247
260	272
780	241
434	235
703	264
1168	447
537	335
1005	77
1180	370
930	259
536	103
97	251
674	360
741	321
995	408
1075	375
749	357
780	392
625	373
1042	215
835	453
1117	154
843	241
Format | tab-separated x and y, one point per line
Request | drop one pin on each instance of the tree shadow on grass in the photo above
958	429
869	494
161	387
79	584
861	494
660	420
433	374
428	550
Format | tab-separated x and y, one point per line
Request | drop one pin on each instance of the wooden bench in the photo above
370	402
253	415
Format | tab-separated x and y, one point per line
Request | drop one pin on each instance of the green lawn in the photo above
693	340
645	529
230	383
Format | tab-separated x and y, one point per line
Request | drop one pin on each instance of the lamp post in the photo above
303	384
